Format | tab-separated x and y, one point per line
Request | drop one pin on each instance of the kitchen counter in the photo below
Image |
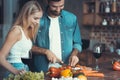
109	73
105	68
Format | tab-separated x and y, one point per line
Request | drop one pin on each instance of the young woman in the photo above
19	39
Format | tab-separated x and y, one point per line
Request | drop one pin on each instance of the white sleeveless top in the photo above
20	49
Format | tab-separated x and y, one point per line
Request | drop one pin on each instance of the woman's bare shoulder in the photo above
15	32
15	29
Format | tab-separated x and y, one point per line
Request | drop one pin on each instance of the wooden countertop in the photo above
105	68
105	64
109	73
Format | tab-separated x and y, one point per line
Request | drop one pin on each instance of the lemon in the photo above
82	77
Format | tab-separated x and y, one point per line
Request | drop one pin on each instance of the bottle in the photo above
118	22
107	7
114	6
112	47
112	22
102	9
104	23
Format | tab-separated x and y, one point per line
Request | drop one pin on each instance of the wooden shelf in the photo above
92	15
108	26
109	14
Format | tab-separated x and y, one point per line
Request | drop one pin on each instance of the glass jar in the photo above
104	22
112	22
118	22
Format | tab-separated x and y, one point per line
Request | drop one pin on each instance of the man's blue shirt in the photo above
70	38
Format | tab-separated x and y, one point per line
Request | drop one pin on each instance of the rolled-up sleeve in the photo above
77	43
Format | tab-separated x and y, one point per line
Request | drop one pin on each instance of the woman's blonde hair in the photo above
29	8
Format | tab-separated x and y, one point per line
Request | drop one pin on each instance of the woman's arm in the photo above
13	36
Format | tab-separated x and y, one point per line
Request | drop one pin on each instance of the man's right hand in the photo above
52	57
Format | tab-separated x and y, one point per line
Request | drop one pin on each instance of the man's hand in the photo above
52	57
73	60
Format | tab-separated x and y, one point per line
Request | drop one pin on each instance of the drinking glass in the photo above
97	56
97	52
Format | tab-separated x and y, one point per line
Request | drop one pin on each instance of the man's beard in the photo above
55	13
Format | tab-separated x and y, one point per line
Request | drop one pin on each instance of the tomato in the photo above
52	69
54	72
68	67
61	68
116	65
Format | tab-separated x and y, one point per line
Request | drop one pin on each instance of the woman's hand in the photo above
20	72
73	60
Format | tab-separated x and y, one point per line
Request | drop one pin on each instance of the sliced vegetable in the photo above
68	67
86	71
98	74
66	73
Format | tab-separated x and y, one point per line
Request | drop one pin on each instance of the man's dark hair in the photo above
53	0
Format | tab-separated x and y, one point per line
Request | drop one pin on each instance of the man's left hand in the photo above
73	60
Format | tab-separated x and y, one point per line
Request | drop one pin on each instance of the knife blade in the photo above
62	63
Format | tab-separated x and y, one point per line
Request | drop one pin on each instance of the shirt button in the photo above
61	32
39	31
63	51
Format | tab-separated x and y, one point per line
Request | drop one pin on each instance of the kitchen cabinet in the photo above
88	12
101	13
